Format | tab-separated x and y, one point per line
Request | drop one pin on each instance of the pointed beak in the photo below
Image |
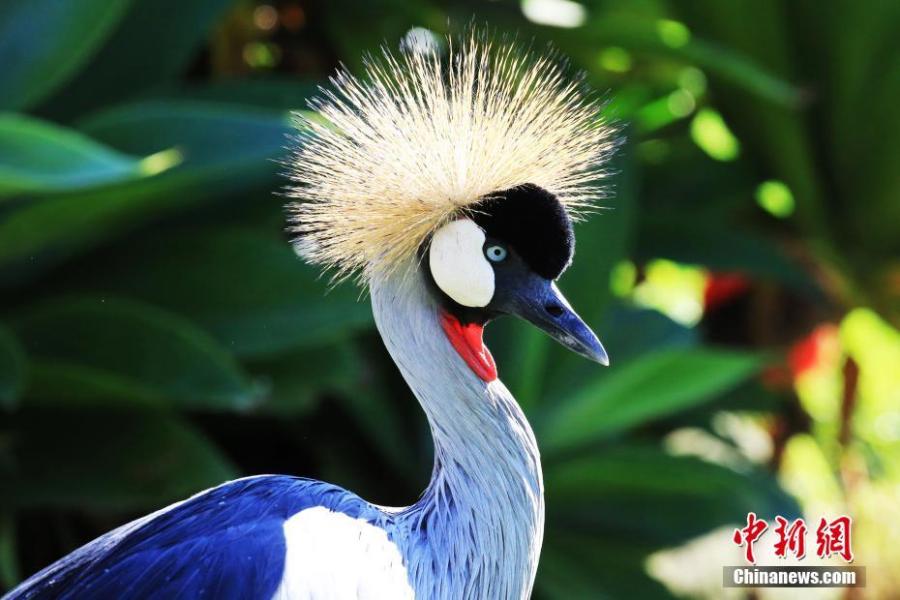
541	303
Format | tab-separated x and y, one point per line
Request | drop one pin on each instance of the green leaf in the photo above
40	157
248	288
298	380
108	349
772	134
207	133
12	370
655	386
379	406
742	72
44	42
659	39
852	61
134	58
608	511
105	460
627	334
226	150
639	491
577	566
286	93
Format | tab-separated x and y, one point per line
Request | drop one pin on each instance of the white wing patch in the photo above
332	556
458	264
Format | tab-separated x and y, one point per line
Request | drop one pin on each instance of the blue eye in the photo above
495	253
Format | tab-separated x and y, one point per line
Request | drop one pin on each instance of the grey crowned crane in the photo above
446	184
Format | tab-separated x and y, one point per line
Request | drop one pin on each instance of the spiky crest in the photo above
421	138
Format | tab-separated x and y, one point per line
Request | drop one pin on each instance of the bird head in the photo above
466	166
504	258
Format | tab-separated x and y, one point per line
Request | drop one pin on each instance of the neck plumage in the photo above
477	530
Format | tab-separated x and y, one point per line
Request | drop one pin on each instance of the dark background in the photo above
158	336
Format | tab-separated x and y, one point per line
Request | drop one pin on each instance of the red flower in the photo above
722	288
810	351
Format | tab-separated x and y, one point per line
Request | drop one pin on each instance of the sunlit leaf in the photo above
875	346
44	42
674	289
37	156
207	133
105	459
227	150
775	198
709	131
555	13
808	472
108	349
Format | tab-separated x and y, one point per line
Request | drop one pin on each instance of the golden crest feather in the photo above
422	137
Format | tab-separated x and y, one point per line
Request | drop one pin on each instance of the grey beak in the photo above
542	304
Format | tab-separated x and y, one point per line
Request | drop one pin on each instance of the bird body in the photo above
475	533
449	188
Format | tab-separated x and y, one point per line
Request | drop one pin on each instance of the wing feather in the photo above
224	543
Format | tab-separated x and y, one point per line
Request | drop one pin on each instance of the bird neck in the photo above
479	524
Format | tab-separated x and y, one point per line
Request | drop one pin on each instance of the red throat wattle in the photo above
468	341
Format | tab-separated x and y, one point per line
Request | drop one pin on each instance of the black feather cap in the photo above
533	222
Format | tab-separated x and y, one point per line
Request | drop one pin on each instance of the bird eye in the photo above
495	253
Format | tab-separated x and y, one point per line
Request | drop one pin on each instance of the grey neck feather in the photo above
477	530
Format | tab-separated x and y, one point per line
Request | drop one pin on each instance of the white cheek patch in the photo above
458	264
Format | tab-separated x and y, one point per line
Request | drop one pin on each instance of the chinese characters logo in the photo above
832	537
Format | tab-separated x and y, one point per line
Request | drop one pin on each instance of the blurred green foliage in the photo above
158	335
